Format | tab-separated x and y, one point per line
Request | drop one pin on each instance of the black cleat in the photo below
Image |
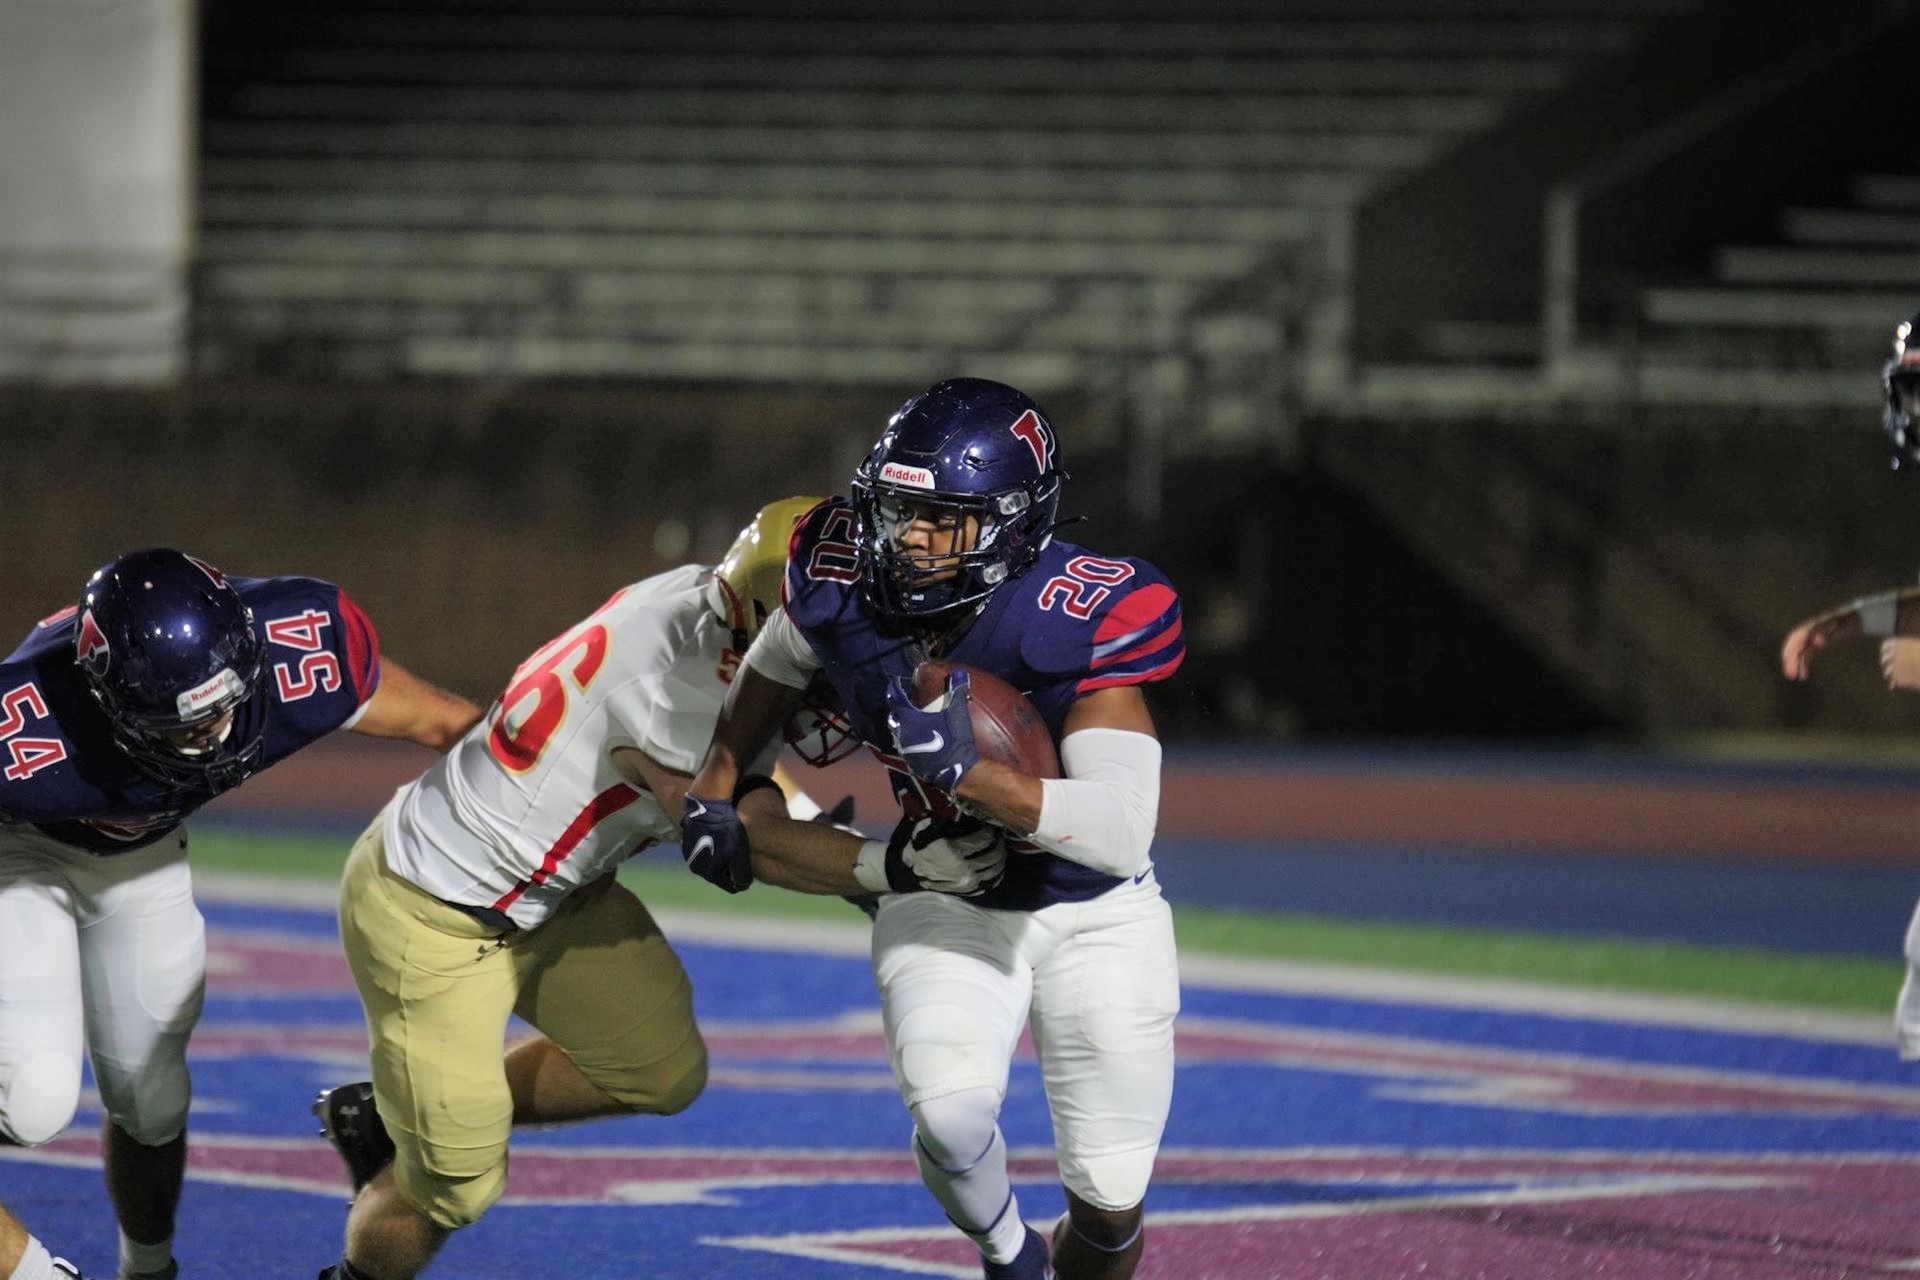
349	1121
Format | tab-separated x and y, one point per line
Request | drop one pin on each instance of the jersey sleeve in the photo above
1131	633
361	647
781	654
323	654
670	701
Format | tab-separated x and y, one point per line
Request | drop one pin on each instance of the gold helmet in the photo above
745	588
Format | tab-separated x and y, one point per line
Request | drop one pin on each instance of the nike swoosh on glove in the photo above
713	842
937	741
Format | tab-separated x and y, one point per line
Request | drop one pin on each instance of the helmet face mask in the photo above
820	732
1900	380
168	651
957	497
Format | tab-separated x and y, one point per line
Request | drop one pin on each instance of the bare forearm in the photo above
807	857
405	706
754	711
1006	796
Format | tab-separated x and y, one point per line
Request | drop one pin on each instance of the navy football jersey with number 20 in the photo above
1073	623
61	771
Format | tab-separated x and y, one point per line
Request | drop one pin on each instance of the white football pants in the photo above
107	952
1101	980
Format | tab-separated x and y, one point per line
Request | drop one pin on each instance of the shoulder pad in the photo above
1104	622
824	552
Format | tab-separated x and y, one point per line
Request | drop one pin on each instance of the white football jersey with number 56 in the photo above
528	806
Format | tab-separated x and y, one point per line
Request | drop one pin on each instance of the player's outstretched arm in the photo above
405	706
1880	616
806	857
922	855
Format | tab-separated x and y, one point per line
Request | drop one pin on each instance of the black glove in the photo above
714	843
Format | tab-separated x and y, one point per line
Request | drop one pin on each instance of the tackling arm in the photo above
755	709
405	706
1884	615
807	857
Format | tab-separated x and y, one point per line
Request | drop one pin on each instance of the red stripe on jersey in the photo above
598	810
1137	610
1141	650
363	647
1160	672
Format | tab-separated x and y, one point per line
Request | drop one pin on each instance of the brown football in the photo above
1007	727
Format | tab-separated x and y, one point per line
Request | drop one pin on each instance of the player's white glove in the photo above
928	853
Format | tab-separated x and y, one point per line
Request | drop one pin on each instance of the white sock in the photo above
35	1264
141	1259
979	1199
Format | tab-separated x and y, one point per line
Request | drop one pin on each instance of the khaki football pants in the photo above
438	986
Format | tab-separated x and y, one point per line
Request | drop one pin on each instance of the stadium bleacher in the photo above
421	188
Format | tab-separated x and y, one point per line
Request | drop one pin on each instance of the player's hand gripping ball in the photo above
955	716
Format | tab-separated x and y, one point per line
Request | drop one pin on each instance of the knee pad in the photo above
460	1187
663	1088
955	1129
1112	1183
149	1106
939	1050
680	1080
39	1100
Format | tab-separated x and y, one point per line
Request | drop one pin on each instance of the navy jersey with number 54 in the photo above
1073	623
61	770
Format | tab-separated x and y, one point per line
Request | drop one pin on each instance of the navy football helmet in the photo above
1900	380
964	449
168	650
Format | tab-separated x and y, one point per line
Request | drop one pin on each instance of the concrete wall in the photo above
96	207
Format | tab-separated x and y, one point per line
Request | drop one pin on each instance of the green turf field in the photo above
1838	984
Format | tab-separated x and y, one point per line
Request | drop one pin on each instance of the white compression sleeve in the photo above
1102	814
782	654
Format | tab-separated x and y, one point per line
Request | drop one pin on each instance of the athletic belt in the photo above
486	916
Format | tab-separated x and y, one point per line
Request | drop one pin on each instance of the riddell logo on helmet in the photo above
917	477
199	696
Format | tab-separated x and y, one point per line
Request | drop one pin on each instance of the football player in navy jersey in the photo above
166	684
1892	617
946	550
